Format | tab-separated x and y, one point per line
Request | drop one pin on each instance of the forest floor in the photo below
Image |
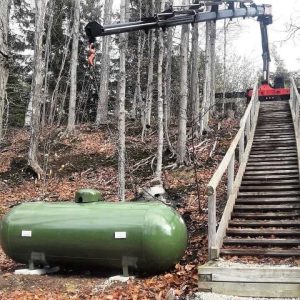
89	159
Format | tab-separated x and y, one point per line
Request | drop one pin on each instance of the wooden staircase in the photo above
262	213
266	215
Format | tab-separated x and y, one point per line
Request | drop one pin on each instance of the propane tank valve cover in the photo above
88	196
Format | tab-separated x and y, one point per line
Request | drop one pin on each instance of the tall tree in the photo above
149	94
121	108
102	108
74	62
137	99
37	85
209	80
167	84
160	101
4	12
182	136
195	78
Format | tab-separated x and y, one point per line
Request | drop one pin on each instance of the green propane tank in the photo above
142	236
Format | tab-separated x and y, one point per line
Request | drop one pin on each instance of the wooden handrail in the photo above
295	107
215	180
247	127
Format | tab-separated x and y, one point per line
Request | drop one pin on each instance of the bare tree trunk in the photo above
213	64
160	102
37	85
195	79
224	67
167	85
209	83
58	80
182	137
4	21
47	59
102	109
137	92
149	95
74	62
121	109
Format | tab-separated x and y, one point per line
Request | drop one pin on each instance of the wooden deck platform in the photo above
250	281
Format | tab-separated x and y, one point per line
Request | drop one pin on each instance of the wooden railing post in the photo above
241	147
248	126
230	176
212	224
297	115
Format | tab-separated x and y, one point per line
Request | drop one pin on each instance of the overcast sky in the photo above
248	41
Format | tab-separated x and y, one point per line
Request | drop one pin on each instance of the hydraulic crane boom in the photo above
195	13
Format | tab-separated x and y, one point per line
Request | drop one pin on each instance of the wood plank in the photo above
270	177
273	141
260	207
250	289
266	215
274	138
271	160
259	223
292	153
264	163
260	252
274	167
263	231
262	242
249	273
273	147
270	194
256	201
269	172
269	182
269	188
277	134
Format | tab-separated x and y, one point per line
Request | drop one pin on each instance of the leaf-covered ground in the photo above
89	159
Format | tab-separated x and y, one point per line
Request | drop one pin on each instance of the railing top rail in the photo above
215	180
295	88
249	107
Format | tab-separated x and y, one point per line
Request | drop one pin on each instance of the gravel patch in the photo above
225	263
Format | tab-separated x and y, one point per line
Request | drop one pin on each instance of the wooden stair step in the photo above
267	137
277	134
269	194
246	183
273	172
259	200
273	147
266	215
273	167
272	163
264	223
271	160
273	154
262	242
261	232
284	128
268	188
264	141
269	177
260	252
268	207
